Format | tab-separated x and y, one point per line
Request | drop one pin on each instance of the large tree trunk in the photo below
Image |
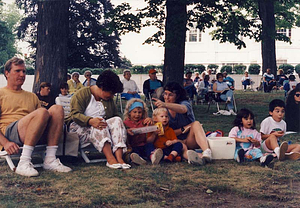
52	38
175	41
268	51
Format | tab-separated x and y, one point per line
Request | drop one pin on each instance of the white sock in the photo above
276	150
50	154
26	153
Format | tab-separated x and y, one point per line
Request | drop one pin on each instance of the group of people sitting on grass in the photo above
95	119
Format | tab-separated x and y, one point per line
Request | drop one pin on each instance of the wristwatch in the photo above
182	129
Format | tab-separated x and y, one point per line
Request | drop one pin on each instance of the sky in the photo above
131	43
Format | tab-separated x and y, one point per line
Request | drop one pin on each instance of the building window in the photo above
194	35
286	32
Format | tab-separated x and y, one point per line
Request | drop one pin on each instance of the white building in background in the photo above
200	49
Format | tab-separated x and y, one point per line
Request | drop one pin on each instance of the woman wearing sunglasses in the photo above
292	115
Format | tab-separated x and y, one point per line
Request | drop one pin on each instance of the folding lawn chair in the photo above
215	97
38	150
83	149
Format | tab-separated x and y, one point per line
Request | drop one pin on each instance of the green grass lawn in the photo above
222	183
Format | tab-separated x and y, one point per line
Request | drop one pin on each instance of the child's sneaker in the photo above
282	150
292	155
170	158
26	169
156	156
240	156
193	158
56	166
177	158
266	160
136	159
207	155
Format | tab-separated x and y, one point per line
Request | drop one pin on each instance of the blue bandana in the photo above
136	105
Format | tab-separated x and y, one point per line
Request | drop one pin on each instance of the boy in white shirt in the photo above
273	128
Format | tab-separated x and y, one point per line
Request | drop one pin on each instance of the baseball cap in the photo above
151	71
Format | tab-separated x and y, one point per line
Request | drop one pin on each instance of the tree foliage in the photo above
233	20
8	20
92	41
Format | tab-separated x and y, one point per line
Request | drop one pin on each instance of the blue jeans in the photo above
128	96
144	151
224	97
245	83
269	86
177	147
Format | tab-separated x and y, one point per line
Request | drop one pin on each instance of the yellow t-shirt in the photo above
14	105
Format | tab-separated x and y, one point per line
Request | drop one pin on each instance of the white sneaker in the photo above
228	100
26	169
207	155
282	150
193	158
266	160
56	166
156	156
136	159
232	112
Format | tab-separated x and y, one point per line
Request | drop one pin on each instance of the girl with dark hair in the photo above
182	121
247	139
292	110
95	119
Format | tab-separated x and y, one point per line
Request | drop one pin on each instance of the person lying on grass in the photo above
248	139
139	146
273	128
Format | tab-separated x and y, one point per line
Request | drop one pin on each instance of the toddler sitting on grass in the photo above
139	145
172	147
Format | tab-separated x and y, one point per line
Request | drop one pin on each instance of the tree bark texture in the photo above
268	51
175	34
52	38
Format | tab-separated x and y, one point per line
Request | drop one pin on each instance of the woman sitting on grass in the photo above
182	121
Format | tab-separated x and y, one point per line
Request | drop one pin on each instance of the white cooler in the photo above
222	147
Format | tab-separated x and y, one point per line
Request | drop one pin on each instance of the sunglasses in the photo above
297	95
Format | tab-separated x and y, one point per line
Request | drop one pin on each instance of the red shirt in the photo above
169	134
137	139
